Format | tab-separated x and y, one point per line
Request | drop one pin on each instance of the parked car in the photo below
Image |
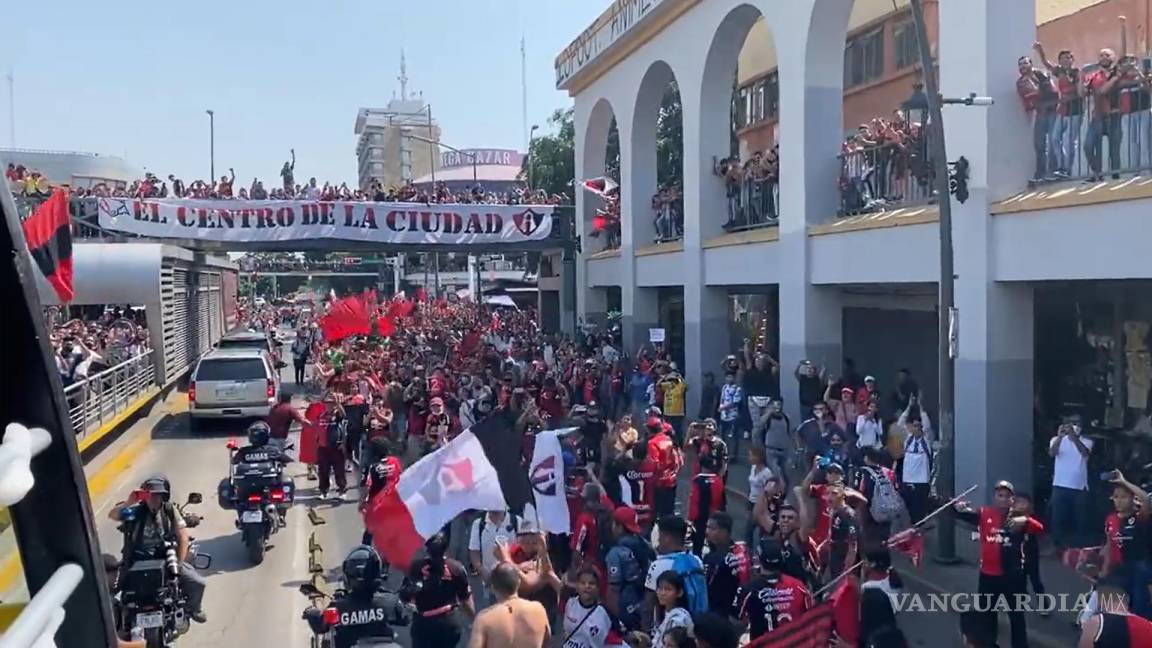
233	384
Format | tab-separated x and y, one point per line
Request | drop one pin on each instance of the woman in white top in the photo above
586	621
758	475
869	428
671	607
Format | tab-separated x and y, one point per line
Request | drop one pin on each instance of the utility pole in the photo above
524	88
211	145
945	348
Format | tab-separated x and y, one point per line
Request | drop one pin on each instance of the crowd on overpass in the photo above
31	183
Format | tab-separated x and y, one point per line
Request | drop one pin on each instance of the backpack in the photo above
886	504
695	585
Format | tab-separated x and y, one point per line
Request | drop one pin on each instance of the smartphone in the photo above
1108	475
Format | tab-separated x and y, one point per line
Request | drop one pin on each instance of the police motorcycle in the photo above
362	614
257	489
152	603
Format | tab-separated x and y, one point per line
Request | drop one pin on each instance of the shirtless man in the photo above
512	622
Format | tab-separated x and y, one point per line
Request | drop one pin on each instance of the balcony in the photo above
883	178
1070	143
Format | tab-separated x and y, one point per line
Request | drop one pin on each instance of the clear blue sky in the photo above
135	78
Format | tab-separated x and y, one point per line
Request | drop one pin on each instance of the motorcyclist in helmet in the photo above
363	609
260	449
149	520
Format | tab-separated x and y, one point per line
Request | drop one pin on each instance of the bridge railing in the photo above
86	220
95	401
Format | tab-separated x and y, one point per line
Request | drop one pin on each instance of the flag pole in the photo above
889	543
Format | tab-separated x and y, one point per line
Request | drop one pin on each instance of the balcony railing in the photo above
752	204
98	399
1069	140
668	219
884	177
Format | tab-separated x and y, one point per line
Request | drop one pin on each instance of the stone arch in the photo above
597	129
639	172
716	102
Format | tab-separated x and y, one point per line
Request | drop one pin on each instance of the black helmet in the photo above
259	433
363	569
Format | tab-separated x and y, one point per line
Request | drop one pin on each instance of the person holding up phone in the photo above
1069	450
1126	531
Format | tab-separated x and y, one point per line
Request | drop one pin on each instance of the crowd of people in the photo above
84	347
752	187
32	183
826	501
885	161
668	212
1069	104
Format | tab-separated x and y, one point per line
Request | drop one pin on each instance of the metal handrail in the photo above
98	399
37	625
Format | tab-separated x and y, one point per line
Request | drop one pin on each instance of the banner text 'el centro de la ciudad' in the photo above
290	220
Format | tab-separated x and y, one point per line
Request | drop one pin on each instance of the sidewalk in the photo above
1056	631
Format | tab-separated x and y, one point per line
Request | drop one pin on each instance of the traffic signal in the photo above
958	179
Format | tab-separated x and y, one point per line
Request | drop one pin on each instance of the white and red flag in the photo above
476	470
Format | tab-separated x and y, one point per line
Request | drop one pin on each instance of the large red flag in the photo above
346	317
385	327
49	234
813	629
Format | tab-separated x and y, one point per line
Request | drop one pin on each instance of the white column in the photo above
980	41
811	110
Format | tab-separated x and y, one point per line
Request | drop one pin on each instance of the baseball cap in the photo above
771	555
869	379
436	400
654	422
625	516
1004	483
655	411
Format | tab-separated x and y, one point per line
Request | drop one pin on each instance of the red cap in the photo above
654	422
436	401
625	516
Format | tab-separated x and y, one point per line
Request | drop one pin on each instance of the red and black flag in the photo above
49	234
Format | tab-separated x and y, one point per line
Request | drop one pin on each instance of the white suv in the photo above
233	384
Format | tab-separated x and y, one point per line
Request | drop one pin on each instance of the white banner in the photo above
291	220
547	477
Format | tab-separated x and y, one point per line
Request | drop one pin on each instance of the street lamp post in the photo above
211	145
928	103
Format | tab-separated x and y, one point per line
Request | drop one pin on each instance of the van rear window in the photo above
232	369
242	344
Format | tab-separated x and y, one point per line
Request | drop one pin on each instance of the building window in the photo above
375	153
377	167
376	138
758	101
904	42
742	103
864	58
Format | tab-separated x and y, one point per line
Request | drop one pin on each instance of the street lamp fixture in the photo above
471	155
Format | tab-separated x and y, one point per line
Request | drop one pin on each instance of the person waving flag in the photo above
472	471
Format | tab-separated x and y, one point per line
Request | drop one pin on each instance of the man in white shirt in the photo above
1070	451
489	528
915	471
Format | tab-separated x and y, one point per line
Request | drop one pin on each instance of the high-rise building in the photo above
392	145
